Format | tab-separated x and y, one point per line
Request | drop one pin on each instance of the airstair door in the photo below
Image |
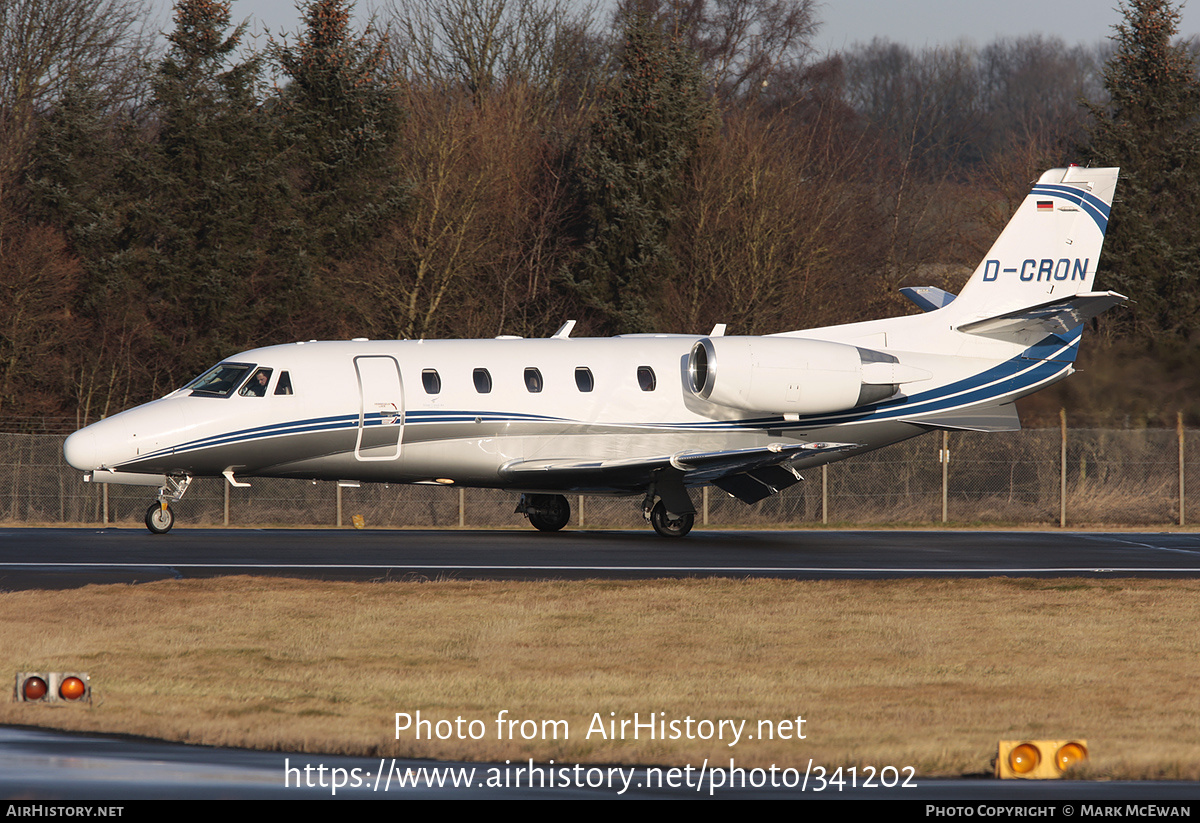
381	408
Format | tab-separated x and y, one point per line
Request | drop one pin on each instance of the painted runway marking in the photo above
1110	538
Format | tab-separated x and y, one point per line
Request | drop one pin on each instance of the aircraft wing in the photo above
748	471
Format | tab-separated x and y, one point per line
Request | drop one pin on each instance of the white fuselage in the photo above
369	410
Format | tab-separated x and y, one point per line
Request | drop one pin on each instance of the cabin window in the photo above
256	386
220	380
432	381
583	378
483	381
533	380
646	378
284	386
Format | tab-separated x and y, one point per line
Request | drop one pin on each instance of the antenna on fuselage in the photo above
565	331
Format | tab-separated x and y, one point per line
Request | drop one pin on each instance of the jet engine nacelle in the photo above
787	375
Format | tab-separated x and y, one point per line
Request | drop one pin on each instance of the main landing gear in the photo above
159	517
547	512
669	524
551	512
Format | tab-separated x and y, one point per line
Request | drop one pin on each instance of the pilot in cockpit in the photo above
256	386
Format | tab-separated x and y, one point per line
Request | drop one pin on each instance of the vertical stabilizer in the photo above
1049	250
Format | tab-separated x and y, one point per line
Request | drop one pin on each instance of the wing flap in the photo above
634	473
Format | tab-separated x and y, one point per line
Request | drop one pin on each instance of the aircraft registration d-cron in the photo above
651	415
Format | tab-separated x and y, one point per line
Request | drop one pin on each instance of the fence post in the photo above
825	494
581	511
338	486
462	507
704	506
1179	431
1062	479
945	457
225	486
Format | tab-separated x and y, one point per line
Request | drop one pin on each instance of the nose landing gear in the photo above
159	517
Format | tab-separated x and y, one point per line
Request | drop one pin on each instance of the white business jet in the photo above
653	415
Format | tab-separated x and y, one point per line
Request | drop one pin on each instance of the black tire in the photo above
670	525
548	512
158	519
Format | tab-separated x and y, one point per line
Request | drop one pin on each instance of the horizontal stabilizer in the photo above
928	298
1057	317
987	419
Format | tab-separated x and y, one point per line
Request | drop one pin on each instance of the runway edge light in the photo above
52	687
1038	759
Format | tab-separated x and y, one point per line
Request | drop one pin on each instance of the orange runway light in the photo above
1038	759
34	688
52	687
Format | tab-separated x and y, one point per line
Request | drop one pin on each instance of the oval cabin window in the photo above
533	380
583	378
483	381
646	378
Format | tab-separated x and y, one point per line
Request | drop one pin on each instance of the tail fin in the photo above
1044	263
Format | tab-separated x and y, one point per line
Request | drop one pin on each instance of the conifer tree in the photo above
168	211
209	178
1150	127
644	136
341	119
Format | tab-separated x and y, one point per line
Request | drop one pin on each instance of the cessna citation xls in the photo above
647	415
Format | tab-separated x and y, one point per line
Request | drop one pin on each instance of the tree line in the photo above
480	167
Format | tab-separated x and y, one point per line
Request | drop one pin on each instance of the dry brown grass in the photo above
924	673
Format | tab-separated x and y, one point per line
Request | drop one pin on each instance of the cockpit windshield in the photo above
220	380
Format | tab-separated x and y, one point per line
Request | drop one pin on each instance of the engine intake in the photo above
787	375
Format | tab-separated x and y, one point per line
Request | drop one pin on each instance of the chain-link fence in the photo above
1109	476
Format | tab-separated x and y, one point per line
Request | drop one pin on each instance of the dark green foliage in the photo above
79	166
633	172
172	216
212	176
1150	127
340	117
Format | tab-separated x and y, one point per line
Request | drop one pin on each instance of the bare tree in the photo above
475	251
773	232
742	44
48	45
37	278
548	45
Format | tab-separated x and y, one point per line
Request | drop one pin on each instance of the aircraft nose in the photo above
80	450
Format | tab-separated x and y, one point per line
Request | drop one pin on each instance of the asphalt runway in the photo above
37	764
65	558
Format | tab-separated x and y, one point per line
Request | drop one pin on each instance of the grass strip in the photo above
924	673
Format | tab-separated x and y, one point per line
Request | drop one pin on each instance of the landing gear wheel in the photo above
670	525
548	512
159	520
